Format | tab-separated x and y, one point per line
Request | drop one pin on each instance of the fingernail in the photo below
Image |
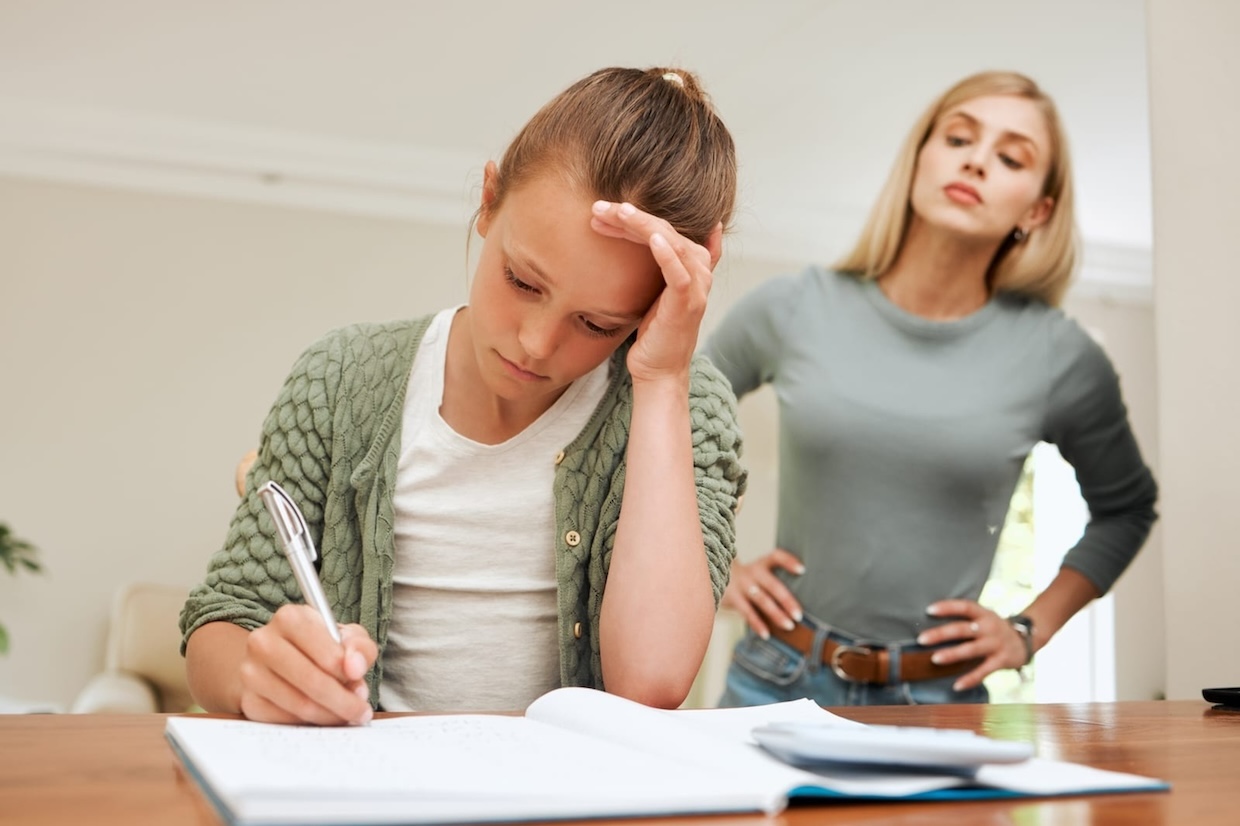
362	691
937	659
797	615
800	570
602	206
367	716
764	634
956	686
921	639
789	625
357	663
627	209
932	611
657	240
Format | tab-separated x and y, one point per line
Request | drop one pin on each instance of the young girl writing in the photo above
532	490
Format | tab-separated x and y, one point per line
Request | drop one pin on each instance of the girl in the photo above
533	490
913	380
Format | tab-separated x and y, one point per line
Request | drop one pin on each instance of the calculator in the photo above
809	745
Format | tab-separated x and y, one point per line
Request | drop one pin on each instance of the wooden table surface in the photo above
69	769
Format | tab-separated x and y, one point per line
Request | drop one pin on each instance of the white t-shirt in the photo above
474	623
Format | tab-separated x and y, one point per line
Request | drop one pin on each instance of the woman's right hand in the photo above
292	671
760	597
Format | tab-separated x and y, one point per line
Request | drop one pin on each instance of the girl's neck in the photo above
469	406
938	276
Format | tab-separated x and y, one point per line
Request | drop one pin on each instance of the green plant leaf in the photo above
4	641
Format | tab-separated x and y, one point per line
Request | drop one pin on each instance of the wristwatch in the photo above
1024	627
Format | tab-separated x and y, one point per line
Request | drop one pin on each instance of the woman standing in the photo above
913	379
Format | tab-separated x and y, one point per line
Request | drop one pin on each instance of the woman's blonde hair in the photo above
1040	266
647	136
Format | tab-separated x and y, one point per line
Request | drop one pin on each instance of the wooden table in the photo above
58	769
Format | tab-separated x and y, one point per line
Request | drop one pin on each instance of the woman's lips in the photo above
962	194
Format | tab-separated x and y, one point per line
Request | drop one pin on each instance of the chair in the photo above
143	668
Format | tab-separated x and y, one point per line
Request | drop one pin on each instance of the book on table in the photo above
576	753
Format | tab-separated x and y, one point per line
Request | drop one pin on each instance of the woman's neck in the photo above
938	276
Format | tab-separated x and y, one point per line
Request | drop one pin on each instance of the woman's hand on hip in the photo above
979	633
667	335
761	597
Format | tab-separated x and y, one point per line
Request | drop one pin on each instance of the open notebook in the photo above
576	753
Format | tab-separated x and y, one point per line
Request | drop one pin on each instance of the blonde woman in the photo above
913	379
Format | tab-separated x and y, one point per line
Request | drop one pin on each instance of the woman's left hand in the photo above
667	336
980	634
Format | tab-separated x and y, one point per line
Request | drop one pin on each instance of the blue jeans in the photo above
768	671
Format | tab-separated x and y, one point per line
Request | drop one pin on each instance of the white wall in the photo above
1194	86
142	338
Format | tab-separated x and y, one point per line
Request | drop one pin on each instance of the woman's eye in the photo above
956	140
1010	162
517	283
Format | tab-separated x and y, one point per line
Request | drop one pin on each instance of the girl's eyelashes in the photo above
595	330
517	283
956	140
590	327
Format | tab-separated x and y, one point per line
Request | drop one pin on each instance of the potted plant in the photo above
16	554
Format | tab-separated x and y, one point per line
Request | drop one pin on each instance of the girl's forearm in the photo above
658	607
213	666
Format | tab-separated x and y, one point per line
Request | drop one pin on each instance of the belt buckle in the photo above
840	650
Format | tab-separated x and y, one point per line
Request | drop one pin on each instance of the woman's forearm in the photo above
1068	593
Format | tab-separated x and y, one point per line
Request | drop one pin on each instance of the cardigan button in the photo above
576	630
573	539
559	457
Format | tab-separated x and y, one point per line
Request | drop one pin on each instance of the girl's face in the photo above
981	171
551	299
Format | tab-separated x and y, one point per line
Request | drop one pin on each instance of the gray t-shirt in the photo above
901	441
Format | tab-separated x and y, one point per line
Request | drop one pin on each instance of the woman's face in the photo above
980	173
551	299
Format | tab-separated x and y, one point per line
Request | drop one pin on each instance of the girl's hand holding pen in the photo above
294	672
302	667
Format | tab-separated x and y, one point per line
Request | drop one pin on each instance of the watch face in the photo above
1022	623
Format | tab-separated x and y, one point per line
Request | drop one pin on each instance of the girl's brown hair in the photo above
1041	266
647	136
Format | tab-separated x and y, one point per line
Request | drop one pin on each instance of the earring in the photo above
1019	234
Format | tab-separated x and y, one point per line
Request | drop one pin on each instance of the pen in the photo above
299	548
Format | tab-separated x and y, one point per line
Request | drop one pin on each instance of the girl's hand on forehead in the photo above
667	336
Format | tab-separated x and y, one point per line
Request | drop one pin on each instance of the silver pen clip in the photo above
299	548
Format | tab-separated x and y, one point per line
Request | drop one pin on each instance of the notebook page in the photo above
720	740
458	767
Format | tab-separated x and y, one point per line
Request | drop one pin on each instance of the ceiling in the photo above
391	107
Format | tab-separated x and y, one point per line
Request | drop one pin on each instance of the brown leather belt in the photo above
871	664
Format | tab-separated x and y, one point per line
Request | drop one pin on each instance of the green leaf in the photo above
4	640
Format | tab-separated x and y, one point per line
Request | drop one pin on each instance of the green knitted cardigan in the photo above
332	440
